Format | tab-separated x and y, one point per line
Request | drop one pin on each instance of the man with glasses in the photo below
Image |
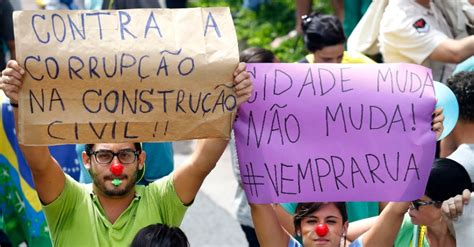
111	210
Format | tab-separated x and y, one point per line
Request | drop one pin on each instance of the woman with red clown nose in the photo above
317	224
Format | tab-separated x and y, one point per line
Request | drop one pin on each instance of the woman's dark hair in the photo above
257	55
462	85
89	148
305	209
321	30
160	235
447	179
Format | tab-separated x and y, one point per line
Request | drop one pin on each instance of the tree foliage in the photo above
270	21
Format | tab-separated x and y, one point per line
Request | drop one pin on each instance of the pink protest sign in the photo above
336	132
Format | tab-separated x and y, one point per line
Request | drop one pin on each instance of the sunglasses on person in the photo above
105	157
416	204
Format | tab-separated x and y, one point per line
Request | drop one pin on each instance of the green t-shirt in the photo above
406	234
76	217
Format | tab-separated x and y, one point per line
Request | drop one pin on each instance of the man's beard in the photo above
115	192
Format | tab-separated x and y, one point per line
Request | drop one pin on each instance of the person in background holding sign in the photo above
396	227
114	209
318	224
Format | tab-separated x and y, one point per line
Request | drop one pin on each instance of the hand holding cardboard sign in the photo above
11	81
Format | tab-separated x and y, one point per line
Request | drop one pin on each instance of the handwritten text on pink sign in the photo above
336	132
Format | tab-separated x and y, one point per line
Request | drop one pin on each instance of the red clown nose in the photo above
116	169
322	230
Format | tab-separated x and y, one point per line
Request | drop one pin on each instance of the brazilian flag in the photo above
21	217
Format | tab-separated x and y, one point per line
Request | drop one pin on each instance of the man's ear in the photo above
86	160
141	160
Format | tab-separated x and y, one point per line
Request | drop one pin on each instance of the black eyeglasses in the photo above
418	203
124	156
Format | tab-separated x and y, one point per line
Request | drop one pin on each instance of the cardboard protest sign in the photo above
336	132
125	75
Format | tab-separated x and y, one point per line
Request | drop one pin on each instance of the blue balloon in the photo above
466	66
447	100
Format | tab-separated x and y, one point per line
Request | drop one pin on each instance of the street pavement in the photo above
209	221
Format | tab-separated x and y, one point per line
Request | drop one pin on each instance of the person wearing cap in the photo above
415	31
111	210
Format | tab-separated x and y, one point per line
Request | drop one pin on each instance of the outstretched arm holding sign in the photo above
188	178
48	175
383	234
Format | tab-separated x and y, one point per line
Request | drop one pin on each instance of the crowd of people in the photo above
145	207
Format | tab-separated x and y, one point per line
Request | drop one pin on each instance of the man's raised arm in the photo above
189	177
47	174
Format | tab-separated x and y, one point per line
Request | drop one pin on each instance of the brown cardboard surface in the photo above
125	75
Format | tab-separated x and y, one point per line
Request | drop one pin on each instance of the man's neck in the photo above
424	3
114	206
464	132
